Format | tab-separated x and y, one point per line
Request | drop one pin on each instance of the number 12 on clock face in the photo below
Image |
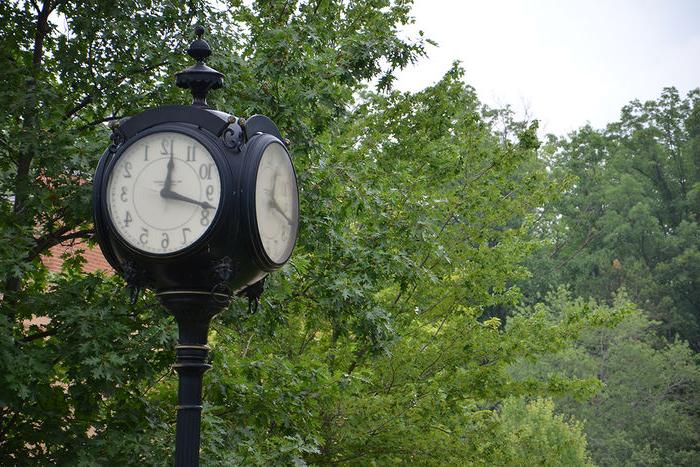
162	203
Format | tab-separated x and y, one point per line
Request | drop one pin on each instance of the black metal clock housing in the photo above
198	205
246	226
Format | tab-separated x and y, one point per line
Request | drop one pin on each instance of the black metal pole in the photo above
193	311
191	365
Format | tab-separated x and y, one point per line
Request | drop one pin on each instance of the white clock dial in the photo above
163	192
276	203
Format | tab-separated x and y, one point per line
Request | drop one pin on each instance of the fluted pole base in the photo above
193	311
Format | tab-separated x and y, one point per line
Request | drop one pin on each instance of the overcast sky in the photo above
566	62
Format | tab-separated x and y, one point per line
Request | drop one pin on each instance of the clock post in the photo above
193	313
199	206
193	309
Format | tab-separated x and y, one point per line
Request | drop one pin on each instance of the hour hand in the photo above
168	176
169	194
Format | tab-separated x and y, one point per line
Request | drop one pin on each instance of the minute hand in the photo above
277	207
274	202
172	195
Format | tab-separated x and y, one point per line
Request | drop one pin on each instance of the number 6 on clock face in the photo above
163	192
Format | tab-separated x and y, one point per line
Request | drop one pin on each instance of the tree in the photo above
369	345
68	67
532	434
646	411
631	218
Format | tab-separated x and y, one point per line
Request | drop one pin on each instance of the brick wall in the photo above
94	261
93	257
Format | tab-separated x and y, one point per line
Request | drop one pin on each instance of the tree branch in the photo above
437	331
82	234
78	107
451	215
88	99
54	238
38	335
591	234
98	121
358	357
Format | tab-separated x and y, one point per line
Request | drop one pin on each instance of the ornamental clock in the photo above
199	205
197	199
192	198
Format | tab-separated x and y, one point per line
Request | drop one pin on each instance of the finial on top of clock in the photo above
199	49
199	78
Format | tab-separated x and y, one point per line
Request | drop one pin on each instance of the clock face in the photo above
163	192
276	203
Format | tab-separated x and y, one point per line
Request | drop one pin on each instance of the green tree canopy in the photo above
369	346
631	218
646	410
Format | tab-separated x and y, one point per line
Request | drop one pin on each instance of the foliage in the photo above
84	385
531	434
84	375
384	340
369	347
78	375
646	412
631	218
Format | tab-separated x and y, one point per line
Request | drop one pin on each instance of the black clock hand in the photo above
279	209
274	182
274	185
168	177
273	199
169	194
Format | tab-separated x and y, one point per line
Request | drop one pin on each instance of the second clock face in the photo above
163	192
276	203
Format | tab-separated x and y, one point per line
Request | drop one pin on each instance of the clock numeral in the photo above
210	193
164	147
143	238
127	219
145	154
165	241
190	154
205	171
184	234
123	195
127	169
205	217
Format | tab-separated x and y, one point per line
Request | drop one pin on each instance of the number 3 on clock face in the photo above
163	192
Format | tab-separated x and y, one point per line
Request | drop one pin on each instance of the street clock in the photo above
191	198
198	205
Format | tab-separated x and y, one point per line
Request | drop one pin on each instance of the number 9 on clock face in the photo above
163	192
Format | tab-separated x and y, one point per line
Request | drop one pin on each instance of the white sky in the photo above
564	62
